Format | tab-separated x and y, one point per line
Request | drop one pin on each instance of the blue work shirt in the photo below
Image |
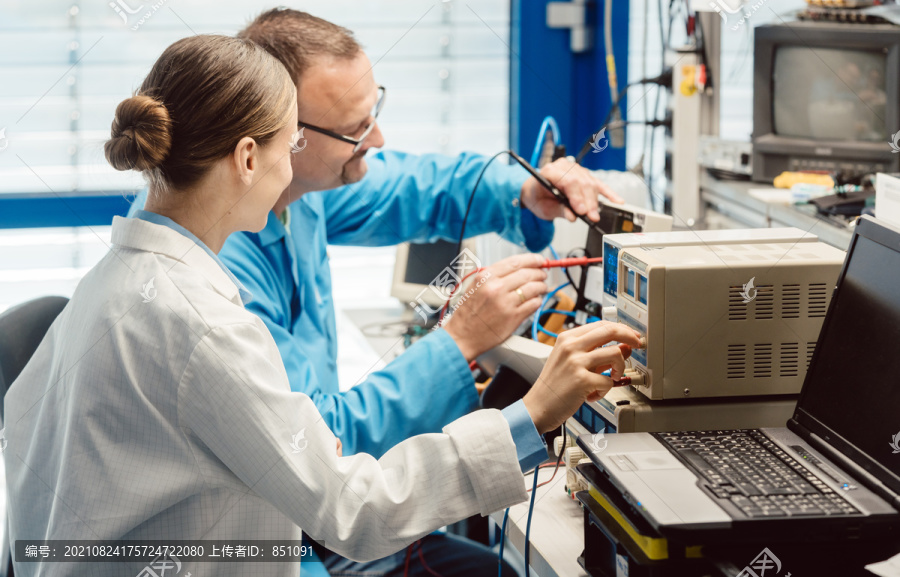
402	198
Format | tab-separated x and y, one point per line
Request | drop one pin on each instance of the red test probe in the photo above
579	261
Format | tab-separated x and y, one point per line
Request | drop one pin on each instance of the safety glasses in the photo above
356	142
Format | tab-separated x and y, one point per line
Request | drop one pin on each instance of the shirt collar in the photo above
285	219
274	230
161	220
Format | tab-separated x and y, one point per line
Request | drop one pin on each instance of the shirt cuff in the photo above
455	368
523	227
530	447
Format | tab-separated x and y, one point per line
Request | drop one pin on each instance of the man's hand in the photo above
494	302
572	373
576	182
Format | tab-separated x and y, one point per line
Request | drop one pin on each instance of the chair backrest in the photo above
22	328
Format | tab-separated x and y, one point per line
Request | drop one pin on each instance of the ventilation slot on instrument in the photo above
810	347
737	308
764	304
790	301
789	360
818	300
737	362
762	360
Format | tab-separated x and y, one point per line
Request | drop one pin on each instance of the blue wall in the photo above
546	77
47	210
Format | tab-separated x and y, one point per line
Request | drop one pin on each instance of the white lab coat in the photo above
164	412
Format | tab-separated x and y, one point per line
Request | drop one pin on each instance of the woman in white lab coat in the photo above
157	407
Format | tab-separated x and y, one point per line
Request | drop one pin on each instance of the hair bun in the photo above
141	134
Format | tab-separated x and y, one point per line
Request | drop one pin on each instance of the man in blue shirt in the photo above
339	197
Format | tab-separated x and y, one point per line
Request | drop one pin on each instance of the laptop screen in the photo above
852	390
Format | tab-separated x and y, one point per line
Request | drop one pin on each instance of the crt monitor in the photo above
421	277
826	96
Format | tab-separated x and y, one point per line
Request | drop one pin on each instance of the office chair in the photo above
21	330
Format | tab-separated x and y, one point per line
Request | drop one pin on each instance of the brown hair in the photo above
295	38
202	96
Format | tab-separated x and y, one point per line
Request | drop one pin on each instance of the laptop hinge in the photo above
857	472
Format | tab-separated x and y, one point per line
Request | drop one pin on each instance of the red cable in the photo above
408	555
550	480
422	560
452	292
542	466
551	477
563	262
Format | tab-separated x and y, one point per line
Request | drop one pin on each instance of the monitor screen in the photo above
427	261
853	387
610	269
829	94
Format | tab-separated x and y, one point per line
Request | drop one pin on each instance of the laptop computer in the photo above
833	472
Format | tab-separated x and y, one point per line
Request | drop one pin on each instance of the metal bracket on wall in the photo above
574	16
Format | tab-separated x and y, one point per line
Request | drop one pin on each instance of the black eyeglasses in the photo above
357	142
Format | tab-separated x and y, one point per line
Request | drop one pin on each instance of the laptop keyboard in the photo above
755	474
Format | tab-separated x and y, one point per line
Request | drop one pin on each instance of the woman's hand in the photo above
572	373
